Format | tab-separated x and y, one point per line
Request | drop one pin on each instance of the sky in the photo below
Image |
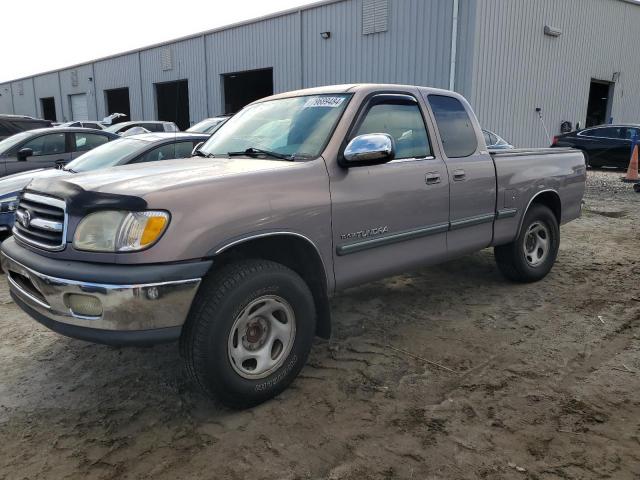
56	34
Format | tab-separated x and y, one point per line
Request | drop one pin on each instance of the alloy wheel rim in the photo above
261	337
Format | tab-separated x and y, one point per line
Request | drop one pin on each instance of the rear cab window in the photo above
455	126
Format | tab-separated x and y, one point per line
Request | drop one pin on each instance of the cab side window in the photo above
455	127
47	144
404	122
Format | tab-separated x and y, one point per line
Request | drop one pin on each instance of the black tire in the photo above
587	160
512	259
222	297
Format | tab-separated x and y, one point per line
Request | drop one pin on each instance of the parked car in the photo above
495	141
121	151
236	252
95	124
152	126
604	145
209	125
48	147
12	124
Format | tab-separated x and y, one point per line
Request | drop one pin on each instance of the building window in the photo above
375	16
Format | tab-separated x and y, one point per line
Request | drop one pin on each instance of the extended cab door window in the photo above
456	129
404	122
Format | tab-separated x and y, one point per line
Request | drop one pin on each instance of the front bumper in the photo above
131	313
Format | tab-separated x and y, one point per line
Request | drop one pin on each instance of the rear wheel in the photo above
531	256
249	332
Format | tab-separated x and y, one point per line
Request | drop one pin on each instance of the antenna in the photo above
544	125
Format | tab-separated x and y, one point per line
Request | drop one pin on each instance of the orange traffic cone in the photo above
632	171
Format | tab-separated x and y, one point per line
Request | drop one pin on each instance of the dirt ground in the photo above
533	381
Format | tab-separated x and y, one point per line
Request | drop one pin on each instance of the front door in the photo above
48	151
391	217
472	177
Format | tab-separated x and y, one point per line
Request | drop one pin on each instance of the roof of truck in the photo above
353	87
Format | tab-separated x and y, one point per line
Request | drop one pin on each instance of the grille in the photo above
41	221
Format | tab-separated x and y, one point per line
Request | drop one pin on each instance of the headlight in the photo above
8	204
118	231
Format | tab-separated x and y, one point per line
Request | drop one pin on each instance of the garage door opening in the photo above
48	105
79	109
600	103
118	102
242	88
172	99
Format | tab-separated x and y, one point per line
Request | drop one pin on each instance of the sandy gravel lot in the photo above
534	382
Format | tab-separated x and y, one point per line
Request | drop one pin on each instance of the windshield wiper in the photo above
70	170
251	152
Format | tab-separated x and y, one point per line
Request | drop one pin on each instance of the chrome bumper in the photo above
132	308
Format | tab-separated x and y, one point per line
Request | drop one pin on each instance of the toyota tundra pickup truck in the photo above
236	251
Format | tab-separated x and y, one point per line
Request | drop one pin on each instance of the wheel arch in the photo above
293	250
549	198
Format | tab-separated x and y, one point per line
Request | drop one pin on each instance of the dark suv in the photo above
12	124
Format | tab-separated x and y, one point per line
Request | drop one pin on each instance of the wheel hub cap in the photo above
536	244
261	337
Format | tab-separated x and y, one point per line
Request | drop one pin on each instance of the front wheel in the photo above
249	332
531	256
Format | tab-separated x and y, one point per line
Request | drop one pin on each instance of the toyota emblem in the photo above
24	217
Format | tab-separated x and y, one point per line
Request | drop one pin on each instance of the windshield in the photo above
297	126
210	125
8	143
107	155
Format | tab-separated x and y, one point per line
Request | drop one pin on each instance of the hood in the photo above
143	178
17	181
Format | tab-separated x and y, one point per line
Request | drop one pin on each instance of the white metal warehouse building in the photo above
576	60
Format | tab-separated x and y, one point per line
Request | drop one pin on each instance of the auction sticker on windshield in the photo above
324	101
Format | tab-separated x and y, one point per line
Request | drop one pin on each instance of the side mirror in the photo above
196	149
369	149
24	153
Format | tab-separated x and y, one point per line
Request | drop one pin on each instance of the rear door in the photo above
390	217
48	150
472	177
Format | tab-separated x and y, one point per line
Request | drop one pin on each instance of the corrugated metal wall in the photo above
6	104
85	84
273	43
123	71
47	86
415	49
518	68
187	59
24	97
506	66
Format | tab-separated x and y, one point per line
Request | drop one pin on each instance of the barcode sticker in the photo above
331	102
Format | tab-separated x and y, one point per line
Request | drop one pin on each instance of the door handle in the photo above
459	175
432	178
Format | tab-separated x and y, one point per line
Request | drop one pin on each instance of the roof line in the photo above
280	13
